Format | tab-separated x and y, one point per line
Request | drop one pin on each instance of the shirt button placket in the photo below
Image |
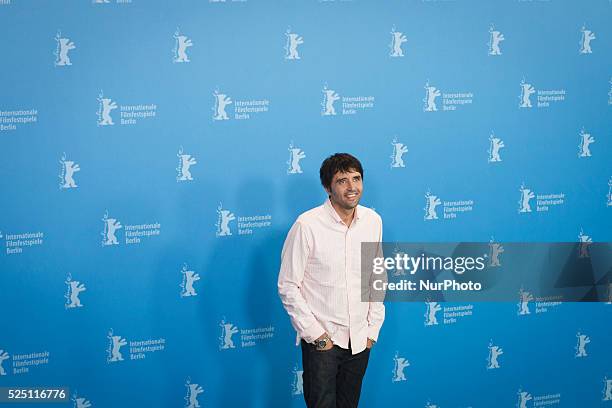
347	263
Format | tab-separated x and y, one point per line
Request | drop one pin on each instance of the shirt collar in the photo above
332	211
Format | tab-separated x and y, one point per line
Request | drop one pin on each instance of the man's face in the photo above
346	189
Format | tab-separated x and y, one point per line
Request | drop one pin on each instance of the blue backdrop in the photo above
155	154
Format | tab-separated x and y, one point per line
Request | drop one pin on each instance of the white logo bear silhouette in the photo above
526	195
224	218
295	155
189	278
585	141
585	40
495	144
524	397
111	225
583	340
185	162
67	173
63	46
526	91
72	296
298	381
524	299
494	353
397	39
193	390
495	250
106	105
431	93
398	151
80	402
430	206
607	392
399	364
221	102
115	344
585	241
180	47
227	331
293	40
495	37
329	97
430	313
3	357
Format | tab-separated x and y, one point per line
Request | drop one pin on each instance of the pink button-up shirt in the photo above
320	277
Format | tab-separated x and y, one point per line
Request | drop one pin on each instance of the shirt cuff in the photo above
373	332
313	332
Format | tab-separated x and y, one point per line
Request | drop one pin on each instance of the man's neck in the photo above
345	215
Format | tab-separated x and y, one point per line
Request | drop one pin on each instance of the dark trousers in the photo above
332	378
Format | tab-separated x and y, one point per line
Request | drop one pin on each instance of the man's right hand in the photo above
329	345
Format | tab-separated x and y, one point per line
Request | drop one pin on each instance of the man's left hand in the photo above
370	343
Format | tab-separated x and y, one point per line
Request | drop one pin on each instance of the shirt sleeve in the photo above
376	312
293	264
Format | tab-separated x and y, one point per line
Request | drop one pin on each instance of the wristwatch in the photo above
322	343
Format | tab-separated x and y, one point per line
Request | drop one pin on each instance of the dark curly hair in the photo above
338	162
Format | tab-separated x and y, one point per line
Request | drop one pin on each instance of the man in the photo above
320	287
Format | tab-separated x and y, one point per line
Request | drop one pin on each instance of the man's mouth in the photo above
351	196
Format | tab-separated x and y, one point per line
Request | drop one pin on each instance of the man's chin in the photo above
350	205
